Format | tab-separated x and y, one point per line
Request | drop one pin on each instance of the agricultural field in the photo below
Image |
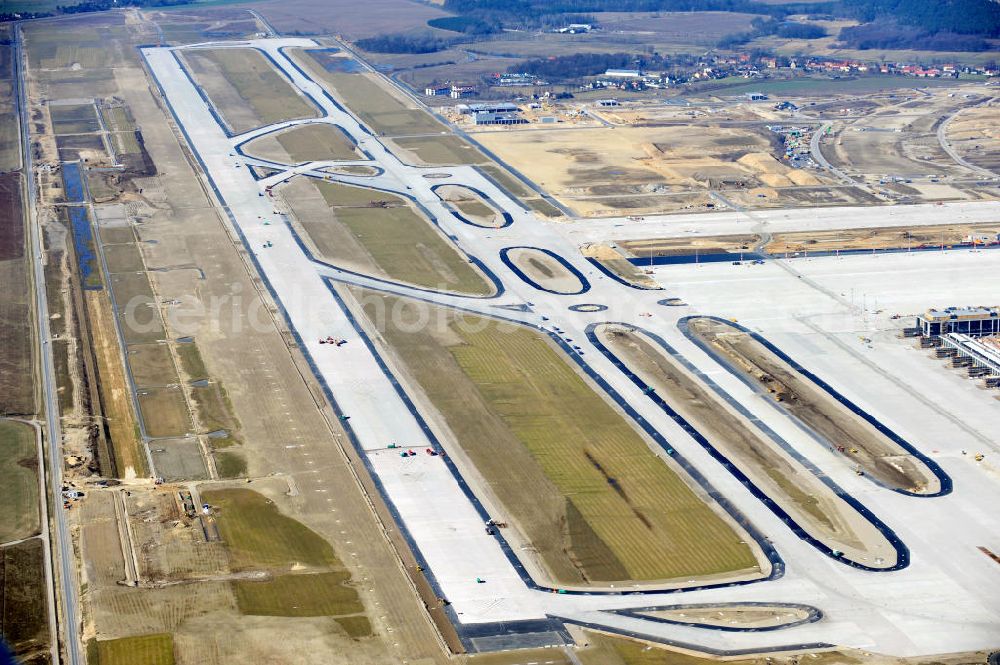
19	517
304	143
24	617
10	146
341	17
74	118
156	649
384	111
17	391
589	495
605	171
364	229
246	89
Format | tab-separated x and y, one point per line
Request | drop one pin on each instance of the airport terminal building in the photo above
971	321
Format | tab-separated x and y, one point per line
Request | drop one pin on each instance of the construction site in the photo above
324	376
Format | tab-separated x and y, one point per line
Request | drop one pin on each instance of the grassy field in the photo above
164	412
191	362
140	318
305	143
312	595
447	149
543	207
230	464
213	406
123	258
23	616
19	480
396	240
156	649
10	153
258	85
151	365
17	395
383	112
586	490
258	535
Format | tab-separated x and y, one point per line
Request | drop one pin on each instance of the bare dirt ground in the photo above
859	443
470	205
786	481
633	169
614	261
896	148
608	650
879	238
975	135
734	615
705	245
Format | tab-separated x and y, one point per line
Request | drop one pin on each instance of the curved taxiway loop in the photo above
361	279
813	615
508	219
516	269
902	552
431	503
943	478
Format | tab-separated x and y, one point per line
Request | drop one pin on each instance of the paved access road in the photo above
66	557
939	603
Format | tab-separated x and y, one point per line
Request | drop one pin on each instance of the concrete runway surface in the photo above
945	600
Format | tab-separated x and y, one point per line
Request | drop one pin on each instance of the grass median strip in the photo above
257	85
580	483
380	233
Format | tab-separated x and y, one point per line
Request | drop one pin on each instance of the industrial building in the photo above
623	73
460	91
971	321
498	118
494	107
437	90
